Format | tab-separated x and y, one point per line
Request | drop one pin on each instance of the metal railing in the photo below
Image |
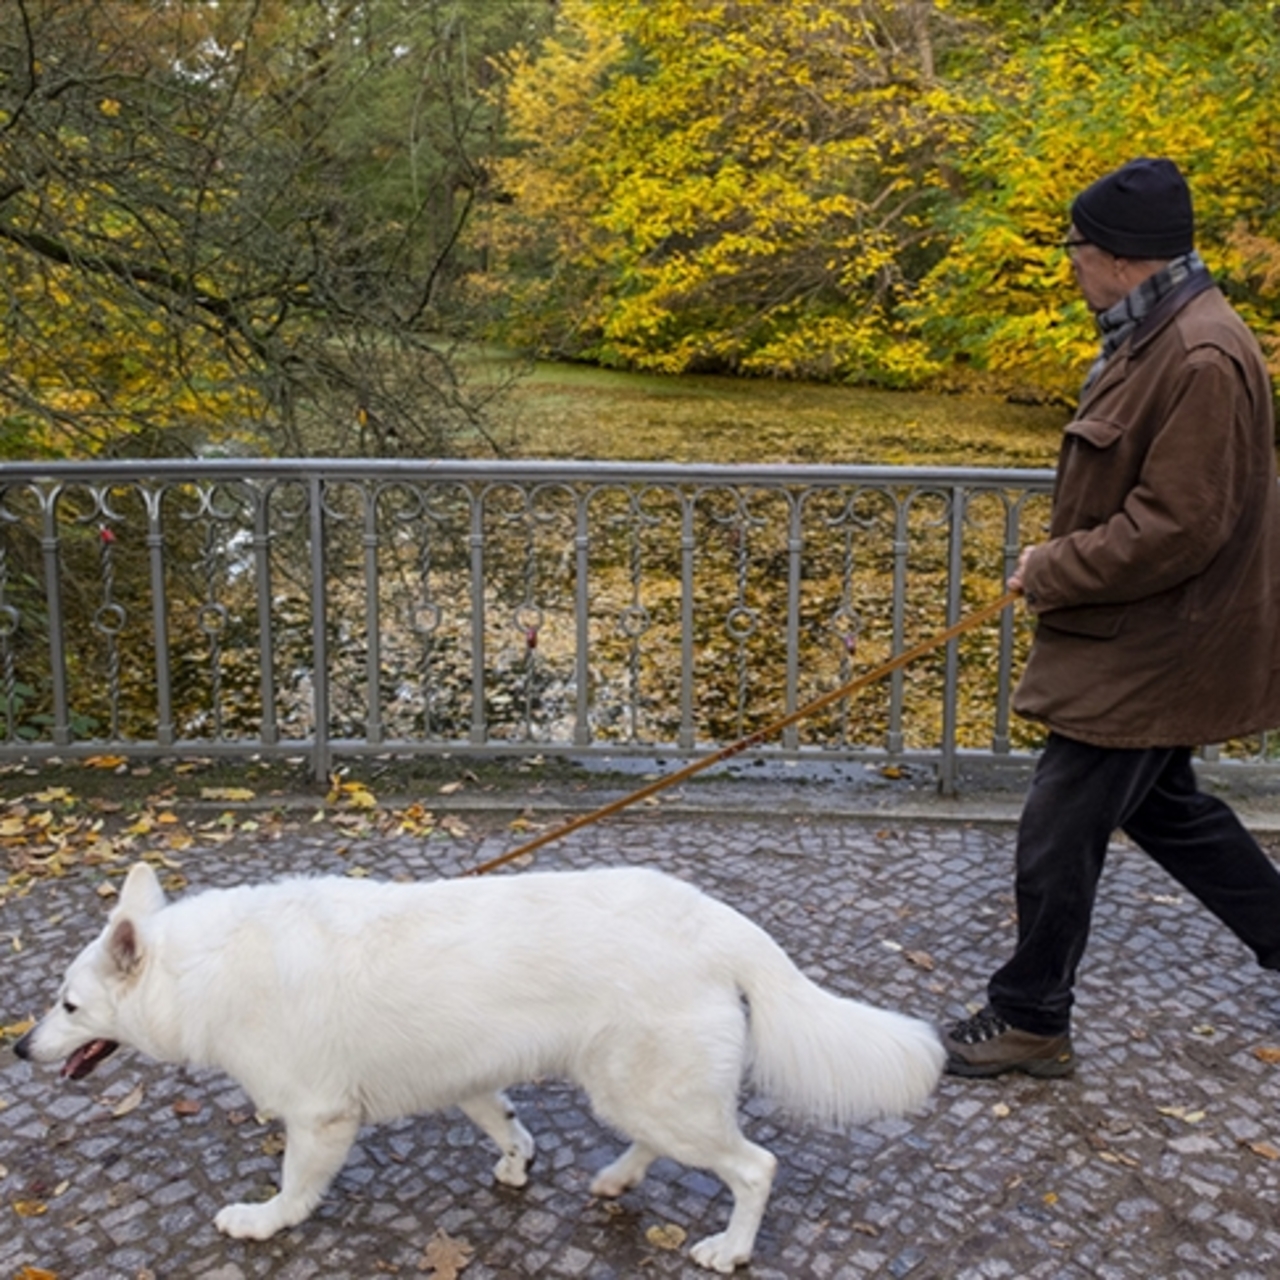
337	608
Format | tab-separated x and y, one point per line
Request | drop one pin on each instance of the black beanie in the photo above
1142	210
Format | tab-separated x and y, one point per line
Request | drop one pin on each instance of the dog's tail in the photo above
830	1058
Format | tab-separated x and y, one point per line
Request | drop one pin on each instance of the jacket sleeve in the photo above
1190	490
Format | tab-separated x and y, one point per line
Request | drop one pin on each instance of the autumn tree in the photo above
864	191
1069	91
237	219
731	186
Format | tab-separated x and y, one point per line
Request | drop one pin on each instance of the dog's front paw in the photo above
716	1254
250	1221
513	1169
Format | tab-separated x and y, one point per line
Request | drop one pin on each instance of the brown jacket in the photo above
1158	594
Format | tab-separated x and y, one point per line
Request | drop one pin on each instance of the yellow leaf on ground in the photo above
666	1236
104	762
227	793
445	1257
1268	1053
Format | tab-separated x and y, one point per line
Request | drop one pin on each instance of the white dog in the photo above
338	1001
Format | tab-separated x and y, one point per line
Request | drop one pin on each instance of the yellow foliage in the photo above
714	185
1063	109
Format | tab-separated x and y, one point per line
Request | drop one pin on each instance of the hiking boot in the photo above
986	1045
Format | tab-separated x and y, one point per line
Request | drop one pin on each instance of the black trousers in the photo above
1079	796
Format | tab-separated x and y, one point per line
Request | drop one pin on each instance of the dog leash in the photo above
967	623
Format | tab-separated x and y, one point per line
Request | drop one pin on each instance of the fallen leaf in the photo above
227	793
30	1208
1269	1054
450	787
130	1102
186	1107
35	1273
104	762
666	1236
1114	1157
921	959
1263	1149
1181	1113
445	1257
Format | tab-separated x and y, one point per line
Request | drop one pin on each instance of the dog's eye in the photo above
69	1007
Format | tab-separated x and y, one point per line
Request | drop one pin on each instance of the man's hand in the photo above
1015	578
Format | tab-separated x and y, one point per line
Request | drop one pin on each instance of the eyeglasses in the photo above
1072	245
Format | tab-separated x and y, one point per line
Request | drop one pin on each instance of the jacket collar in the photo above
1148	327
1168	307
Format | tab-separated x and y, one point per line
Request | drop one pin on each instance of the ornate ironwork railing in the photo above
336	608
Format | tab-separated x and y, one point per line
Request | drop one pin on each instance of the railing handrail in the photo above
764	474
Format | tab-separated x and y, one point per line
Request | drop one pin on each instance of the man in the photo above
1157	599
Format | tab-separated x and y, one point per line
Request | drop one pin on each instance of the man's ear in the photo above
142	893
123	947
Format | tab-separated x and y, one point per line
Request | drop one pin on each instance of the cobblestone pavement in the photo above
1160	1157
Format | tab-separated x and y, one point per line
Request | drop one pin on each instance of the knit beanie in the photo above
1142	210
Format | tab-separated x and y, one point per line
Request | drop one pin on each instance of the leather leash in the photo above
967	623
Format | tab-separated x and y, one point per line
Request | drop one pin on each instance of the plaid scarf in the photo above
1118	322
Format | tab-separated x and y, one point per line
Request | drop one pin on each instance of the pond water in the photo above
575	411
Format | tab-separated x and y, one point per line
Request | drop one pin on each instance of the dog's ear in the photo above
142	893
123	947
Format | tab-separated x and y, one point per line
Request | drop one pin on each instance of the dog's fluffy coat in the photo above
338	1001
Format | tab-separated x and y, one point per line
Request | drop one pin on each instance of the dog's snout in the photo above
23	1047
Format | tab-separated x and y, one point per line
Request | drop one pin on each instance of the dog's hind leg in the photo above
684	1106
747	1171
313	1153
494	1113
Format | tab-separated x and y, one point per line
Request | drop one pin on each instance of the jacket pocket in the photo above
1102	433
1094	621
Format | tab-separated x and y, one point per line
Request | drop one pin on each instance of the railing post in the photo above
154	498
320	756
947	773
53	602
582	629
479	728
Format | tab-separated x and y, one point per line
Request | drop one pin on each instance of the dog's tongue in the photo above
86	1058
